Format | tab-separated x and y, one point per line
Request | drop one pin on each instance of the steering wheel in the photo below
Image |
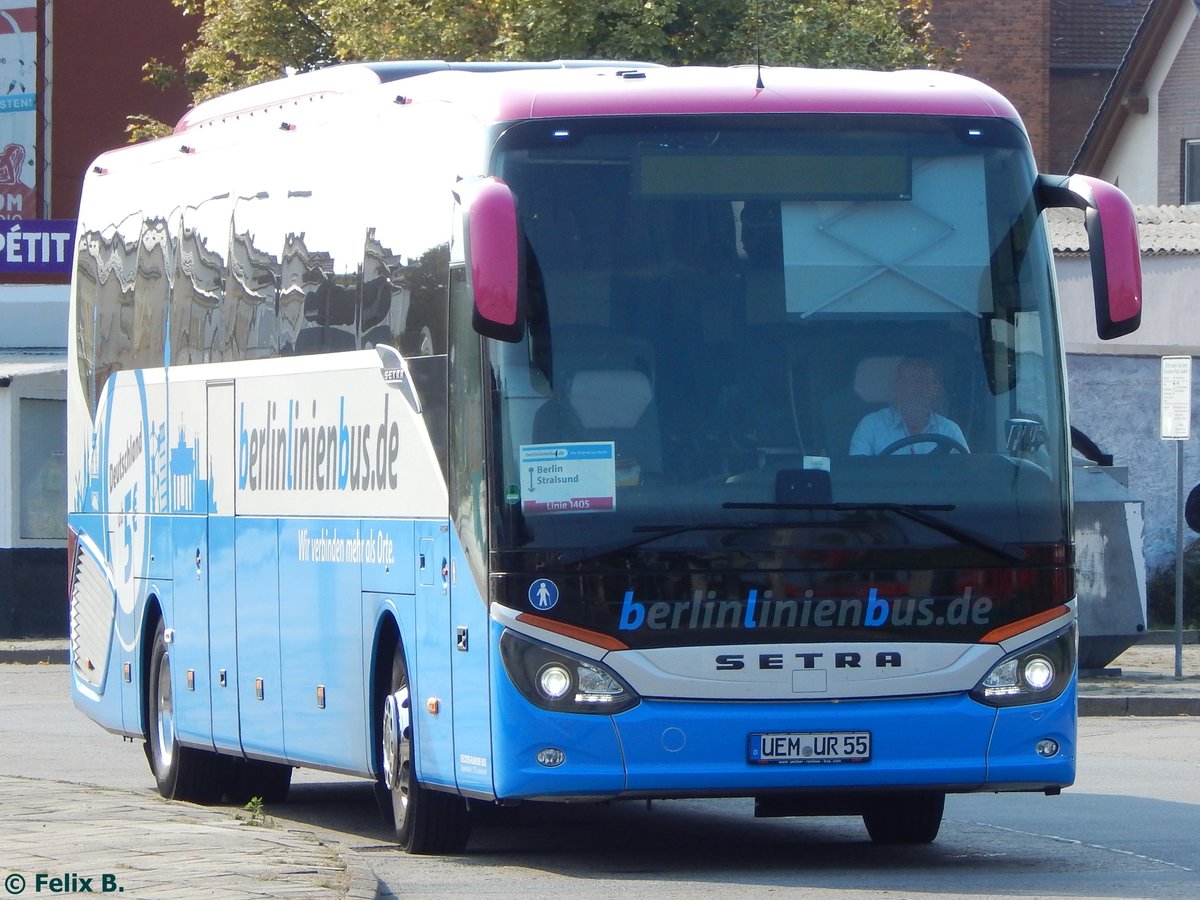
943	444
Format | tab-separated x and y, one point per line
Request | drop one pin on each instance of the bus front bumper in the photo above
664	748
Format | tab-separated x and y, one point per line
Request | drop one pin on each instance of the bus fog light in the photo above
554	681
551	757
1038	673
1047	747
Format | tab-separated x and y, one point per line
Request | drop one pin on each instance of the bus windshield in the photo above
818	331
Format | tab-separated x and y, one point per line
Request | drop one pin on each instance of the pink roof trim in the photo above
539	94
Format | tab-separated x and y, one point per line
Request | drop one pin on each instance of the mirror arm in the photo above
1112	239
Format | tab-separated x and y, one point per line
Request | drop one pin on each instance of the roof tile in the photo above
1161	230
1093	33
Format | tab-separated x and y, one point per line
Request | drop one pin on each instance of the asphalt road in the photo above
1129	828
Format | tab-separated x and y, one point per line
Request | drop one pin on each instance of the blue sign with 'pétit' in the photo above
45	246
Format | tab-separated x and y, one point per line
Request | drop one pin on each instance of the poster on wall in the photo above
18	109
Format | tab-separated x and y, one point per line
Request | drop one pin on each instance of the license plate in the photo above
801	747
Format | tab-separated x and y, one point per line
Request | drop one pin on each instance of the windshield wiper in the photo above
657	532
916	512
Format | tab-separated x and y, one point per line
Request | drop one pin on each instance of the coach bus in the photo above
582	432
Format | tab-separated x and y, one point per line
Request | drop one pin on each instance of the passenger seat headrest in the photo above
610	398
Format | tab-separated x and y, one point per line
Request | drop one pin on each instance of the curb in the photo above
364	884
34	656
1139	706
1166	637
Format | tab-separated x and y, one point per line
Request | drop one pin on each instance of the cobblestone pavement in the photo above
102	840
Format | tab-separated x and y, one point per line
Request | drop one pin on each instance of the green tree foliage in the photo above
243	42
885	34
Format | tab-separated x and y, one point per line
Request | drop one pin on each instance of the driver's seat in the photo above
841	411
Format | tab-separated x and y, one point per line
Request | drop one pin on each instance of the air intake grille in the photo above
93	604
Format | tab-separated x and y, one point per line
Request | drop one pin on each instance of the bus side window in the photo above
406	260
320	305
87	292
291	293
403	305
383	301
427	287
320	281
114	299
252	291
199	289
151	294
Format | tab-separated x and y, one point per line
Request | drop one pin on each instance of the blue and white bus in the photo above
574	432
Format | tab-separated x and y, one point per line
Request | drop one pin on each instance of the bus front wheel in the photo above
182	773
426	821
905	818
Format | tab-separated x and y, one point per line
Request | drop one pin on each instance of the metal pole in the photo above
1179	559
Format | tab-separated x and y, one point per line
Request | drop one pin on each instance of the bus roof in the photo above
512	91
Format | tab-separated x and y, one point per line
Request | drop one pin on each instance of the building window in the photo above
1191	171
43	469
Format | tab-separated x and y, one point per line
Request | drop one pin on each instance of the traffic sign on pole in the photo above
1176	399
1175	410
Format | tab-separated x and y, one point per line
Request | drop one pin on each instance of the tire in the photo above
182	773
425	821
904	818
250	778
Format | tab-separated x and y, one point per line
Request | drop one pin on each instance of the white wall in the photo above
33	315
1170	308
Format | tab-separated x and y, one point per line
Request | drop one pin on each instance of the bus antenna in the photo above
758	83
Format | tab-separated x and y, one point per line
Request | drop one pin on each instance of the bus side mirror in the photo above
1112	245
492	246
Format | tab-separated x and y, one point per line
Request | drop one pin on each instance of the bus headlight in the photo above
1033	675
1038	673
553	679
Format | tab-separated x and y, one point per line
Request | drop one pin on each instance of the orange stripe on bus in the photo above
573	631
1004	632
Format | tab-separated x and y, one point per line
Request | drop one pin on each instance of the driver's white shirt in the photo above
885	426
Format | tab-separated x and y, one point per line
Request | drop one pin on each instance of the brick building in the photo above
1009	49
1054	59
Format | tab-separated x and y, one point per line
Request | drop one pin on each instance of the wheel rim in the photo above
390	750
165	716
397	749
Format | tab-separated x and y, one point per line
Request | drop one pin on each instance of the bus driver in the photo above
896	428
